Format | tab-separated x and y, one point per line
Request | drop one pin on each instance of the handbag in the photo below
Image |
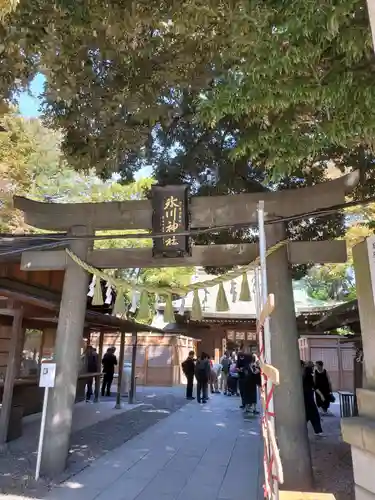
331	398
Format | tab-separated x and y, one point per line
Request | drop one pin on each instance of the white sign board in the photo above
47	375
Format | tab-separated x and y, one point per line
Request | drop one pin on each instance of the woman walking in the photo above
323	388
312	413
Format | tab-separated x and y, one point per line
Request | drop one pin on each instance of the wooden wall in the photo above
159	357
52	280
338	358
5	335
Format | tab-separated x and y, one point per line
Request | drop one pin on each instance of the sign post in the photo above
46	380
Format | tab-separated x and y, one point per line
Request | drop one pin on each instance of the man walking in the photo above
188	367
109	362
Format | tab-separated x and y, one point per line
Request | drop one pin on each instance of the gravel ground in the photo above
332	461
17	464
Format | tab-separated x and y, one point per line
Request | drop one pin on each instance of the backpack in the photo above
225	363
201	368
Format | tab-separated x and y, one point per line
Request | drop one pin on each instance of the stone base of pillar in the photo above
359	432
362	494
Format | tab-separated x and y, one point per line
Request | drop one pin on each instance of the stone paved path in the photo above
200	452
17	464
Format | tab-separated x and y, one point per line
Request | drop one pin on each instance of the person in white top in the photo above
214	381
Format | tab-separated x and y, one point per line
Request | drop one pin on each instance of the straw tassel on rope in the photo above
196	309
245	295
97	299
144	308
221	299
119	309
168	310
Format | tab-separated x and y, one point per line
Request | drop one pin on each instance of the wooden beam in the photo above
6	312
202	255
299	495
206	211
319	252
23	298
267	309
271	372
10	376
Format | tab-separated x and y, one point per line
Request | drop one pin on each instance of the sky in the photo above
29	102
29	105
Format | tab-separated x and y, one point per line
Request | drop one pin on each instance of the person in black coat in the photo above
91	366
109	362
323	387
202	374
312	413
188	367
252	382
243	363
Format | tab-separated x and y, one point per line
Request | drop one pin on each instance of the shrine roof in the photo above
343	314
48	302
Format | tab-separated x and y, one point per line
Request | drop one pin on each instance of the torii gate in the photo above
83	219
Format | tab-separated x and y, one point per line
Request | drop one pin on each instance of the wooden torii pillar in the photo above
205	212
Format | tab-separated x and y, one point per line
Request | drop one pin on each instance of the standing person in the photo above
212	390
243	363
188	367
225	362
312	413
91	366
323	388
109	362
202	374
215	373
252	382
233	380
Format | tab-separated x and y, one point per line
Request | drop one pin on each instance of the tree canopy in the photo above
31	164
337	281
16	171
297	75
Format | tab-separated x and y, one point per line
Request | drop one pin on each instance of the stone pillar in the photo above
359	432
291	428
67	349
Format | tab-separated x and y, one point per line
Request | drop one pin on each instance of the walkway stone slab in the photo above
200	452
